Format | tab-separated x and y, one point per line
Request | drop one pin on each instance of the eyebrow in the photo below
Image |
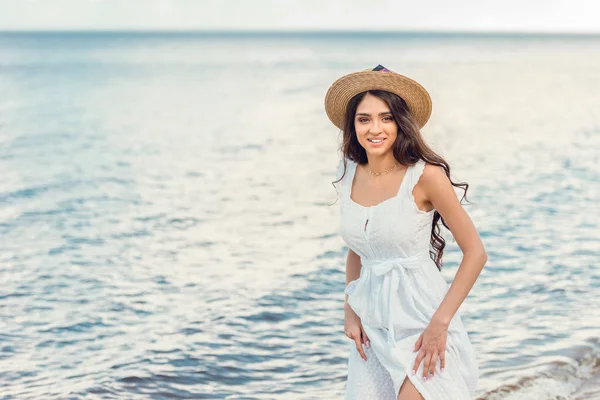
380	114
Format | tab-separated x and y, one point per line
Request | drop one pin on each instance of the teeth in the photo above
376	140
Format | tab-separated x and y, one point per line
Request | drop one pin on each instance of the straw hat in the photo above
342	90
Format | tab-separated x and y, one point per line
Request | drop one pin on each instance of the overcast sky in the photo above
580	16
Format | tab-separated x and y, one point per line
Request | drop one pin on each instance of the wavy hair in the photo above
408	149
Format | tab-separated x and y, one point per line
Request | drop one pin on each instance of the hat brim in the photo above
346	87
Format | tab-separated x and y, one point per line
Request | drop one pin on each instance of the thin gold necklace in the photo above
383	172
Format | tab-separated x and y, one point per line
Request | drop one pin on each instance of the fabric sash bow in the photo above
360	297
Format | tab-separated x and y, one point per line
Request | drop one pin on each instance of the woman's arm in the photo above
440	192
352	324
352	269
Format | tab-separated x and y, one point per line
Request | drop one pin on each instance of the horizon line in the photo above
308	31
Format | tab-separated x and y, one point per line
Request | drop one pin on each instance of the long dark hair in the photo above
408	149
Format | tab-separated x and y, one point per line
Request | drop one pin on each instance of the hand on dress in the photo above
432	343
354	330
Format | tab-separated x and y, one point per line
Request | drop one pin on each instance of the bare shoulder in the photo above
434	175
437	188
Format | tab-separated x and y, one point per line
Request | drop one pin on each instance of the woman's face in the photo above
375	127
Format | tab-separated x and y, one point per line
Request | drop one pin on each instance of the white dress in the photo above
398	291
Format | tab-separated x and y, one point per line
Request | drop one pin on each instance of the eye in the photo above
363	120
389	118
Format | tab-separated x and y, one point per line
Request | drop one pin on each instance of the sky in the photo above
552	16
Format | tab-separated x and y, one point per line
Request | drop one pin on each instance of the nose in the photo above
375	129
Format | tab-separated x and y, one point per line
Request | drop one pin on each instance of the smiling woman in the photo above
365	118
394	190
374	128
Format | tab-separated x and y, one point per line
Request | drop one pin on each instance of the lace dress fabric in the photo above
398	291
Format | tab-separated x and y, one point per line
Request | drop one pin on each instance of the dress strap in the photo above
415	172
342	185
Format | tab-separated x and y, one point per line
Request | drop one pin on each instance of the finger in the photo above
359	347
366	339
426	363
418	343
442	361
432	366
418	361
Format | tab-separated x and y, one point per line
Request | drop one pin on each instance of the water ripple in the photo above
168	233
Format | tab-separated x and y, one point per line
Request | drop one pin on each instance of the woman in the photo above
409	340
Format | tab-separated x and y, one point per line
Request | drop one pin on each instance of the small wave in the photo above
562	380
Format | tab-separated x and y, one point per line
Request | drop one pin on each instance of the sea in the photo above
169	228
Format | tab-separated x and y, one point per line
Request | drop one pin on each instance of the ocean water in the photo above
168	226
